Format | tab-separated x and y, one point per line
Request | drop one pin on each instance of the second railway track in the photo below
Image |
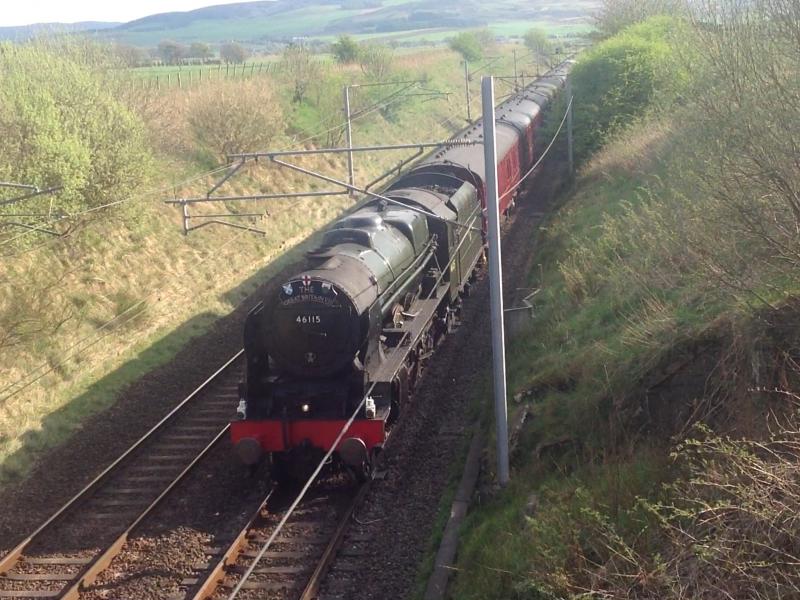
69	550
294	564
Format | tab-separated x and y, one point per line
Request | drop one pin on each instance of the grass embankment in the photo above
123	290
660	458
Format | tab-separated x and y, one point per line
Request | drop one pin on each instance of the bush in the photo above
616	81
234	116
345	50
61	125
539	44
468	45
616	15
376	61
301	69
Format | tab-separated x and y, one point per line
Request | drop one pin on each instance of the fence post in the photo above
169	79
180	85
348	132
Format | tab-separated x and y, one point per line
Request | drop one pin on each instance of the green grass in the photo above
301	22
545	519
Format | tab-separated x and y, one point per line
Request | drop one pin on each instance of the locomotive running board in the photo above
412	329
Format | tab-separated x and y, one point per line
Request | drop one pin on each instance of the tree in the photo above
301	69
130	56
200	50
172	52
616	15
235	116
233	52
468	45
538	43
345	49
618	80
84	139
375	61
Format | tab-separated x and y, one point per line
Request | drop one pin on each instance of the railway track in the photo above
295	563
68	551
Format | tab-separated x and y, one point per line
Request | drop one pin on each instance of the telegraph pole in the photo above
349	137
516	82
495	280
466	88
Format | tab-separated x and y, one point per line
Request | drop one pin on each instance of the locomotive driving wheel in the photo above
363	472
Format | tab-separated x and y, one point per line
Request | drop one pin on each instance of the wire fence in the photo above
194	76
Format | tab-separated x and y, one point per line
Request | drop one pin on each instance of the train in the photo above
353	331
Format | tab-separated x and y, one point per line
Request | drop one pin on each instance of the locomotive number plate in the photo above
308	319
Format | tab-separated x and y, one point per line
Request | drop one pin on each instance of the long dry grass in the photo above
75	309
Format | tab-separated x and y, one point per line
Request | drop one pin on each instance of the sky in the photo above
72	11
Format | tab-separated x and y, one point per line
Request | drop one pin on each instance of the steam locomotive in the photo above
382	289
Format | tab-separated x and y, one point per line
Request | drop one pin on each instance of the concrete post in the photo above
495	280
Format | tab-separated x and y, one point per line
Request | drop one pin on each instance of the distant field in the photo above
184	75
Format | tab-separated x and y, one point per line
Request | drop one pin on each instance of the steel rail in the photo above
9	560
213	580
311	589
101	562
229	557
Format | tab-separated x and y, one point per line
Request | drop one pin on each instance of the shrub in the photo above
468	45
617	81
234	116
376	61
61	125
616	15
345	50
301	69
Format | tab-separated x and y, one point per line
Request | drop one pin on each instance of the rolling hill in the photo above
24	32
266	21
282	20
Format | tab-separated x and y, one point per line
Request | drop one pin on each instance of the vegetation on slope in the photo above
661	374
62	126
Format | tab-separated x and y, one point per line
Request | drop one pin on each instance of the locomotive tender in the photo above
382	289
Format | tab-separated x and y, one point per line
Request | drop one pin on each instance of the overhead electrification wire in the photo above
154	191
